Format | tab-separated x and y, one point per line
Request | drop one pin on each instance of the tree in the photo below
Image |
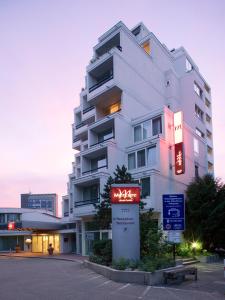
103	216
205	211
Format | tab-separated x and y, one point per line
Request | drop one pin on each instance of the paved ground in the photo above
53	279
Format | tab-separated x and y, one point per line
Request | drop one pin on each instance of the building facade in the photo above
30	229
134	85
48	202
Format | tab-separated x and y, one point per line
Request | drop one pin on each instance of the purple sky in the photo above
45	47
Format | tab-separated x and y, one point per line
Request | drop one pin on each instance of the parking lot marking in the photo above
145	292
104	283
123	287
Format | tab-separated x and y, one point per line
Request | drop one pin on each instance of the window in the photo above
90	193
209	150
141	158
196	147
196	171
105	135
145	187
208	118
131	161
207	103
209	134
114	108
156	126
207	88
137	30
199	113
137	133
151	156
199	133
146	129
146	47
188	66
210	167
197	90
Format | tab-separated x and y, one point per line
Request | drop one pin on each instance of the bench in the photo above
179	273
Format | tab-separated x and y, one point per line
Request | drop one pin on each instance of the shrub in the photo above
151	264
120	264
103	250
97	259
184	250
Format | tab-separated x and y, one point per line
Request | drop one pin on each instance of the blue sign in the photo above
173	212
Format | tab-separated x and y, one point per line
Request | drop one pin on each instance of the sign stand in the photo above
125	199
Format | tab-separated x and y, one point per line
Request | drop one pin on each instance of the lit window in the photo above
188	66
131	161
208	118
151	156
146	47
141	158
199	133
197	90
196	146
137	133
145	187
156	126
198	112
207	103
114	108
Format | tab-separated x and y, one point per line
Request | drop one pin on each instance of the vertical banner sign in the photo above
11	225
125	199
178	140
173	212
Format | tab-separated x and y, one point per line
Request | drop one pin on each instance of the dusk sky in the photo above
45	47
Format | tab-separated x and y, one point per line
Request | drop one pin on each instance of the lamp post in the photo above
28	243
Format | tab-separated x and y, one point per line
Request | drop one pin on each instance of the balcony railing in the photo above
87	202
94	170
76	140
112	137
88	109
100	82
66	214
80	125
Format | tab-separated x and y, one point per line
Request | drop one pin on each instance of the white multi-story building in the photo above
133	87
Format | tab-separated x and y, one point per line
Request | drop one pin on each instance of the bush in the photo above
121	264
151	264
184	250
97	259
103	250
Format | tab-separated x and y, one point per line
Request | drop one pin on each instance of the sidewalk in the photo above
67	257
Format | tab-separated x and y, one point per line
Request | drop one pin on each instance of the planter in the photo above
139	277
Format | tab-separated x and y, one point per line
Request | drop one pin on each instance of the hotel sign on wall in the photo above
125	195
11	225
178	140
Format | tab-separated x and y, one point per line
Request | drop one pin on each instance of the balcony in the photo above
101	81
88	109
94	170
100	74
87	202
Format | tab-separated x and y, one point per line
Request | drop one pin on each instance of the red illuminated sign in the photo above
125	195
11	225
179	159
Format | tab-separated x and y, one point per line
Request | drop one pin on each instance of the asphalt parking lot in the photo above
30	278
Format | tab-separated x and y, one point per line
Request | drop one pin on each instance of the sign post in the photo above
125	199
173	218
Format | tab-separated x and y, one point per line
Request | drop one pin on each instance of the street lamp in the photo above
28	243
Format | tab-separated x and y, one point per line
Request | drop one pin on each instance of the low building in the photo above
31	229
48	202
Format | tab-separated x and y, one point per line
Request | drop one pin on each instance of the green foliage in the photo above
120	264
103	216
151	264
184	250
97	259
153	242
103	250
205	212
